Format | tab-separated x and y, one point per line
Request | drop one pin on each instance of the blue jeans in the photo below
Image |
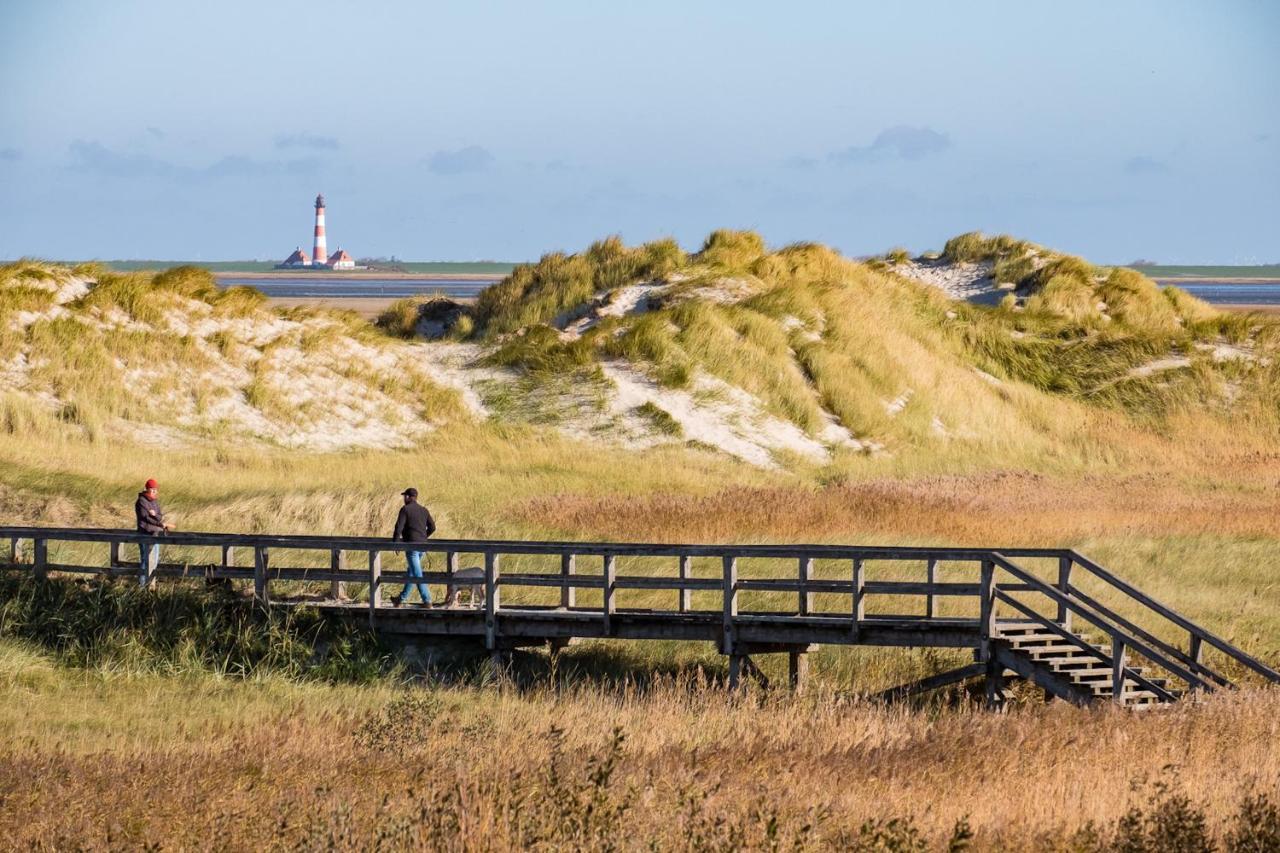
413	559
146	553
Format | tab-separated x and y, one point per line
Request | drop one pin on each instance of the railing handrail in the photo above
1175	617
512	546
1113	631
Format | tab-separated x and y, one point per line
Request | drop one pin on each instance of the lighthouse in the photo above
320	252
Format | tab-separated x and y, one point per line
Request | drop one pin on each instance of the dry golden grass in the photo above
130	761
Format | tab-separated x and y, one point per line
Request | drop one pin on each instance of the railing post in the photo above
450	569
730	590
113	558
492	602
375	584
337	563
40	566
1196	653
994	678
260	558
1117	670
15	550
568	594
986	608
931	577
805	575
228	558
859	605
610	574
686	595
1064	587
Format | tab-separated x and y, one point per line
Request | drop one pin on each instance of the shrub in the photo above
660	419
538	293
732	250
1136	301
400	318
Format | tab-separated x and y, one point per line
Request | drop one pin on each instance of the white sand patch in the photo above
897	404
457	366
1160	365
972	281
726	417
621	302
725	291
14	372
1222	351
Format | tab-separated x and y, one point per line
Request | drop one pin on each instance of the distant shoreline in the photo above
301	275
1212	279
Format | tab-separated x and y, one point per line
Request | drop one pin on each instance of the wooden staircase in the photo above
1079	672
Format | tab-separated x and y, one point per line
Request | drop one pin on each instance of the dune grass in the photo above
1020	427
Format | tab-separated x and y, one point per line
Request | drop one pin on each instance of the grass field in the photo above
111	696
1192	271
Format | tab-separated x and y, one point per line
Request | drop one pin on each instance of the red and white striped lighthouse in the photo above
320	252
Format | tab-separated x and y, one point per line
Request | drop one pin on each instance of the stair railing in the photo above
1121	640
1198	635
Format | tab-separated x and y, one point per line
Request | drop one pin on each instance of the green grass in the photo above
1222	271
537	293
660	419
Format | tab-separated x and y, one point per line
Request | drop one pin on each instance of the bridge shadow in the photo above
608	667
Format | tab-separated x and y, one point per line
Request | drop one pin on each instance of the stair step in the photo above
1057	650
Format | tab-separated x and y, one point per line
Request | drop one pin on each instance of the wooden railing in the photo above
993	584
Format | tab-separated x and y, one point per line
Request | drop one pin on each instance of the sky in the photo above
503	130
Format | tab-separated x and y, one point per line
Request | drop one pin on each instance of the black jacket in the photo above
414	524
149	515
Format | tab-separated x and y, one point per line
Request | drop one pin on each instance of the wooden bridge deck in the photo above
1018	623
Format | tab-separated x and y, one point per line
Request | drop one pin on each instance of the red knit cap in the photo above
152	484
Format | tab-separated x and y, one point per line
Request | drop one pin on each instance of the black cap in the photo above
410	492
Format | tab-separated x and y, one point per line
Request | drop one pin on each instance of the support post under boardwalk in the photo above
492	601
797	670
568	594
15	550
735	671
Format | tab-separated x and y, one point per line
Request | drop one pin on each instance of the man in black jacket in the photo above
414	524
151	521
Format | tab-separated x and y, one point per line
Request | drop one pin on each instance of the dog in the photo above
469	580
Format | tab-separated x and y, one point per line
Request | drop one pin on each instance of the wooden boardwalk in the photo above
1050	616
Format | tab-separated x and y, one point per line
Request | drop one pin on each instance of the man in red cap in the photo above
151	521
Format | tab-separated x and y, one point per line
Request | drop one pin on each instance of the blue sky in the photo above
477	130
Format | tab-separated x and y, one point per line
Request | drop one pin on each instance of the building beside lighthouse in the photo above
299	258
319	257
